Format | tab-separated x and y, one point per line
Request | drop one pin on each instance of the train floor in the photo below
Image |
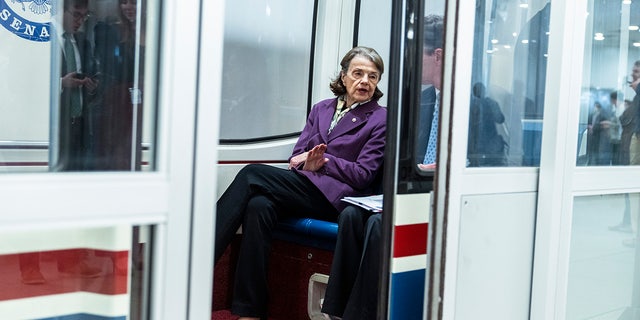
291	266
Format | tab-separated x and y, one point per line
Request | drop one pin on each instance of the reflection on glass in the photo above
431	79
267	52
79	81
486	147
24	120
79	273
508	83
102	80
96	81
609	101
604	265
116	134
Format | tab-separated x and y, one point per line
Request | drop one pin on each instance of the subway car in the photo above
123	122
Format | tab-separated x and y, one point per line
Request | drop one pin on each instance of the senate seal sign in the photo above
27	19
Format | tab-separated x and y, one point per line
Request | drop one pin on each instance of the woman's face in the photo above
360	80
128	8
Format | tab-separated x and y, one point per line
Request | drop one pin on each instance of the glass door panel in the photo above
75	273
583	267
611	73
102	113
604	268
485	210
600	276
91	234
508	83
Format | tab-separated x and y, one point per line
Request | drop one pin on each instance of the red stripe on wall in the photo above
33	274
410	240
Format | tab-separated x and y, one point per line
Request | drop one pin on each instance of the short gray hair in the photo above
337	86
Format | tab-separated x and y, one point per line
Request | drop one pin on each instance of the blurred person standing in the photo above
77	86
599	140
634	152
634	145
627	123
117	122
486	147
615	129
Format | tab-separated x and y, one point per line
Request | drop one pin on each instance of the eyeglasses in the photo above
78	16
359	74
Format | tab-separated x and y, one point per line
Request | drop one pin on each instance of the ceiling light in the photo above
633	28
626	1
599	36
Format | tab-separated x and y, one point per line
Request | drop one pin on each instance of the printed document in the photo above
371	203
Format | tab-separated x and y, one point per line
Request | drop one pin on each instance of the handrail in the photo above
37	151
23	144
38	145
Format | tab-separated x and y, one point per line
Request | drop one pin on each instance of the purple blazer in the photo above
355	149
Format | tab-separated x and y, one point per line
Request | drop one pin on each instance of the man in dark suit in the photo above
76	87
432	58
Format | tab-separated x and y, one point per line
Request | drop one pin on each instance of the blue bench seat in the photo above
309	232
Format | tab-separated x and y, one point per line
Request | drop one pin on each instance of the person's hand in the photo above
70	81
297	160
315	158
427	167
90	83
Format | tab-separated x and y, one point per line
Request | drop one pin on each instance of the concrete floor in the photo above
601	269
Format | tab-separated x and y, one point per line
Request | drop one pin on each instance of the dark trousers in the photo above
257	198
352	291
72	145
